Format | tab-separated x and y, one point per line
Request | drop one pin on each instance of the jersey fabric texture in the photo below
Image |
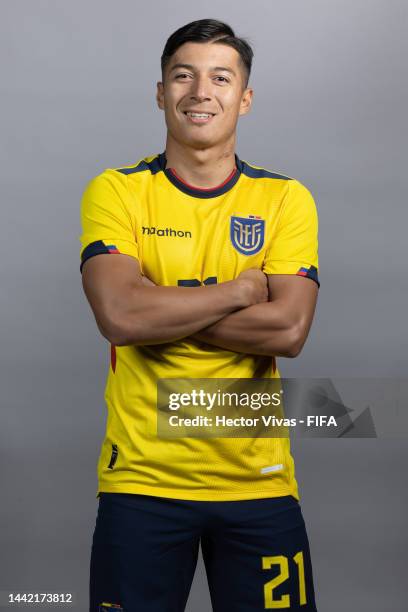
182	235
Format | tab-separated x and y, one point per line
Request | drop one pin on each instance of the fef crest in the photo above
247	234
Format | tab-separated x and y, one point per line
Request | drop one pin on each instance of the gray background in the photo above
77	94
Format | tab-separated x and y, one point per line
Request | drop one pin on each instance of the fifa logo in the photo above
247	234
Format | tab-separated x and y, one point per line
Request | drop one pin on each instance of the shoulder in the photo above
253	171
259	172
119	175
287	188
149	165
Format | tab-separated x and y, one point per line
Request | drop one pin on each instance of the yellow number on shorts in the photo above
282	561
284	601
298	559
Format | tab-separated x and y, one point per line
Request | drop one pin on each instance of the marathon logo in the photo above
167	231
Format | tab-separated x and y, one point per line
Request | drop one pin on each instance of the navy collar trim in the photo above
196	192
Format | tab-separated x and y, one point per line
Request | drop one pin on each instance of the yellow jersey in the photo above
185	236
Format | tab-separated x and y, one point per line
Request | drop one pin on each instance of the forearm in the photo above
155	315
262	329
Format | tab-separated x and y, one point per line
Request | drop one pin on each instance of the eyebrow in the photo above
214	68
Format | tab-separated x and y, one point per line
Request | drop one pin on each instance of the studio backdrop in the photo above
78	96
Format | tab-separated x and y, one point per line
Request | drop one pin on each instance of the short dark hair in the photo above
207	30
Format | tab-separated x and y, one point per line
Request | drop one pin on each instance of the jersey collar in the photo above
198	192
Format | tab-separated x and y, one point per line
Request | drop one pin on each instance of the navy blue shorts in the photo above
145	549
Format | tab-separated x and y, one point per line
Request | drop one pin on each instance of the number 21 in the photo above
282	561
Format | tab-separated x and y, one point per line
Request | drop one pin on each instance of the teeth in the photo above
199	115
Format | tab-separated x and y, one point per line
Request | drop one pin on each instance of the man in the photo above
214	274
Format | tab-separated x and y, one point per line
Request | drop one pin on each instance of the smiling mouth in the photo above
198	117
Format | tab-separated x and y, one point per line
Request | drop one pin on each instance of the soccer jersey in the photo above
186	236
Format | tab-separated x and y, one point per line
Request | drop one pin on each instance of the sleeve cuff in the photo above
292	267
99	247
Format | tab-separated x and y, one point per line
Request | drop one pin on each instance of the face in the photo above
203	94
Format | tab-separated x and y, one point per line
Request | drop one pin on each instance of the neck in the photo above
205	168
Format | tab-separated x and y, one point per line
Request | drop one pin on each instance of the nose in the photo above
200	89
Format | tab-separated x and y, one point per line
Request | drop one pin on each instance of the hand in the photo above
254	284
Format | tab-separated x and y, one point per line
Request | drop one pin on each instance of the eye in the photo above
182	76
224	79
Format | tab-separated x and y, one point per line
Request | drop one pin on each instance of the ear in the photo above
246	101
160	95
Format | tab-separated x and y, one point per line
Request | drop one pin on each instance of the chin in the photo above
197	143
197	140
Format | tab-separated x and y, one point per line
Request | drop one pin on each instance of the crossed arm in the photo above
252	314
278	327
